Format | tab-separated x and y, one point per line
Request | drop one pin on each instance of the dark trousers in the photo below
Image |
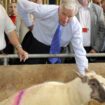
1	60
33	46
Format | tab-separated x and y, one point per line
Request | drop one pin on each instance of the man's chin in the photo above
63	25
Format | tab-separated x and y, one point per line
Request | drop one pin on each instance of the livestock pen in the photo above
16	77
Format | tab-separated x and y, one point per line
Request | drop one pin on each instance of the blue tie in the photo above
55	46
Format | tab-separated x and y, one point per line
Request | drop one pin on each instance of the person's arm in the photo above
25	16
79	51
9	29
23	7
39	11
13	38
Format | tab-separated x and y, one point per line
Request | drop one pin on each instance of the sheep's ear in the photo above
78	74
83	78
93	72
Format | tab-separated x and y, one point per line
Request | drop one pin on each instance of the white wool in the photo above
98	77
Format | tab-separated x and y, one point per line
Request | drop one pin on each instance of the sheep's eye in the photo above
93	84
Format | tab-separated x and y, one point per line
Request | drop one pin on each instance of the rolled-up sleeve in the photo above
9	25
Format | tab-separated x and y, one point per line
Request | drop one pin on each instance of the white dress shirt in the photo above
6	26
46	22
85	21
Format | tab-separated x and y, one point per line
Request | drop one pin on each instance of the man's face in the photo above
12	9
83	2
65	15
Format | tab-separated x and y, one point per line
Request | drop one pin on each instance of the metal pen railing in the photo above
6	57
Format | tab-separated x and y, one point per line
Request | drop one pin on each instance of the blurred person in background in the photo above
98	2
91	18
12	11
103	6
101	3
95	26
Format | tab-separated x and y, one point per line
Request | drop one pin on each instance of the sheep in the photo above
75	92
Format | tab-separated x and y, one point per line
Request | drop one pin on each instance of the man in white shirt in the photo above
92	20
8	27
47	19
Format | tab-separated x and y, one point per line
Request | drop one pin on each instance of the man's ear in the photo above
91	74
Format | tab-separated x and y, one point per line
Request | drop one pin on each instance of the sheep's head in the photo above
97	84
98	91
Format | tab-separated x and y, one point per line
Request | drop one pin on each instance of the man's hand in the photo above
83	76
23	55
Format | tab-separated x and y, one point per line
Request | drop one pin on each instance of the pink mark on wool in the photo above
18	98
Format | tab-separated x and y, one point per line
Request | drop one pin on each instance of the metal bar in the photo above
52	55
5	61
5	57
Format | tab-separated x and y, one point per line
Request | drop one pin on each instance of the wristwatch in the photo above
18	46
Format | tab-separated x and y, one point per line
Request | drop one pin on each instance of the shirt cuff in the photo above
83	71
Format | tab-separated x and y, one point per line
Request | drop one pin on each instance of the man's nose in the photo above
66	19
13	9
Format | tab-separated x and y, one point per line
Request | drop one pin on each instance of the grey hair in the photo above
70	4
